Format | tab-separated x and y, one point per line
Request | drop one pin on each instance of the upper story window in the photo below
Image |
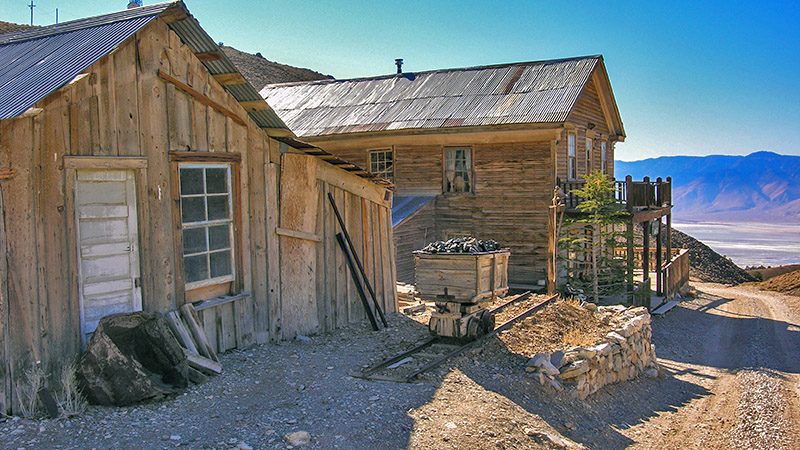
604	157
381	164
207	224
588	155
458	175
572	168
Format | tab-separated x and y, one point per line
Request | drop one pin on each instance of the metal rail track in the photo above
371	373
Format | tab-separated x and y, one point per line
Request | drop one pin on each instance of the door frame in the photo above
71	165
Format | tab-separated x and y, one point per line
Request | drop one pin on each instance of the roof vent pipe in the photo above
399	63
134	4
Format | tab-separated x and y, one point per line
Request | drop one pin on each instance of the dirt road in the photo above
743	346
730	359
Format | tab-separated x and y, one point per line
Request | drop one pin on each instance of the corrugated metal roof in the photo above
404	206
532	92
36	62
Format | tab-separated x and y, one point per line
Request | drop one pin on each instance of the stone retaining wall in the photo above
625	353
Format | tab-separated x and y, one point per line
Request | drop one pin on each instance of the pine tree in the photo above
591	238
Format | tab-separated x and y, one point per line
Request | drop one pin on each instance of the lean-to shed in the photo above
140	171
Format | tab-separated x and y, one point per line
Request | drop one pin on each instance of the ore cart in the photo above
460	284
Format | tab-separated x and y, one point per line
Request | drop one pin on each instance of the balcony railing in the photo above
633	195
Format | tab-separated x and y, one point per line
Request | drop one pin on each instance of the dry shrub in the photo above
28	392
70	399
573	338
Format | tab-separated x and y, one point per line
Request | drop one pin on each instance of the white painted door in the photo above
108	245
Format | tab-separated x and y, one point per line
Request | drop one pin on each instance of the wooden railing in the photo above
676	273
633	195
638	255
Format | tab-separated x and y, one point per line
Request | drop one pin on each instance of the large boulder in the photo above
130	358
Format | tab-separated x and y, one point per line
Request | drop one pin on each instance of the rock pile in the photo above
462	245
625	353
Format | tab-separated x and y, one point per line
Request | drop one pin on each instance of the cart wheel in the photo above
487	320
474	328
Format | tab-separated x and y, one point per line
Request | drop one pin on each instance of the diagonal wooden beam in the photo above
200	97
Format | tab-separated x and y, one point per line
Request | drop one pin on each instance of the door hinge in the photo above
137	282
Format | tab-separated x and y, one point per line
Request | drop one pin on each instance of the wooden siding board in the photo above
355	226
341	275
126	97
321	294
271	181
5	369
298	211
59	313
258	233
20	252
158	291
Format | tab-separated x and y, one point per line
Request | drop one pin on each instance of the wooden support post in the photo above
631	265
628	191
669	236
646	251
552	250
659	261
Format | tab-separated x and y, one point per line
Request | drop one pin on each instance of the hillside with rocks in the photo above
707	265
8	27
260	71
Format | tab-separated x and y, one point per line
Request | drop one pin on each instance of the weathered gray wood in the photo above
202	363
198	334
180	331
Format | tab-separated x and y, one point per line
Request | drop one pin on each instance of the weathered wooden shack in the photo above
139	171
477	150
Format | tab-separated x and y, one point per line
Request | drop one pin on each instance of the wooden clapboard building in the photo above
140	171
471	151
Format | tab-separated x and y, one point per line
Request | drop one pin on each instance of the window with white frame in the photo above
572	169
381	164
603	157
588	155
207	224
458	169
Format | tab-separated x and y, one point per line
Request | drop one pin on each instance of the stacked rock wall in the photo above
625	353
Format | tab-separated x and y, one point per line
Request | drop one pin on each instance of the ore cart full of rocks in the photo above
461	284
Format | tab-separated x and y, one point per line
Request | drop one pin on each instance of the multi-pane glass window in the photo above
458	170
572	169
603	157
381	164
588	155
207	224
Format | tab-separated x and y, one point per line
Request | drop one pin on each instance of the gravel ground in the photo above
730	375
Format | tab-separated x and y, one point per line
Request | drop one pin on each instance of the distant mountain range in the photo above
759	187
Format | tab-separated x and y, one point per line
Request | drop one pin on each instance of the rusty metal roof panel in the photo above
535	92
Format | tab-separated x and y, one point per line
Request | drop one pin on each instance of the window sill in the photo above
219	301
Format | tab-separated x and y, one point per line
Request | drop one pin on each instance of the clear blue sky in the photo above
696	77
